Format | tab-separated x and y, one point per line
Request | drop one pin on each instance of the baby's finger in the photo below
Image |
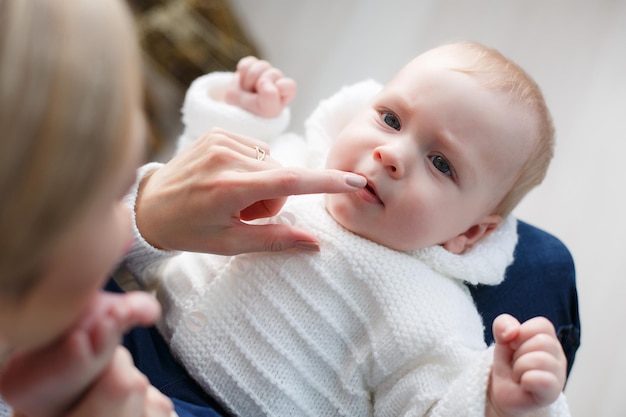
538	360
55	375
267	91
545	387
245	62
271	74
251	76
540	342
119	391
243	67
158	405
135	308
505	328
533	327
286	89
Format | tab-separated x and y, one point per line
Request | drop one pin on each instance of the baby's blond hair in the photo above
69	83
495	71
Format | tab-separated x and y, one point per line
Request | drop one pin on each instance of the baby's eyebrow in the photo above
393	101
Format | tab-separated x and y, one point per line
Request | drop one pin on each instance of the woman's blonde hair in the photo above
495	71
69	84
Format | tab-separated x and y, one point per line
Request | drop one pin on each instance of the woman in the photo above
72	138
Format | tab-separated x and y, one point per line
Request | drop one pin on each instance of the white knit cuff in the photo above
142	254
484	263
468	393
204	109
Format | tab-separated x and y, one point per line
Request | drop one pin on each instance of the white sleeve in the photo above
142	255
204	109
467	395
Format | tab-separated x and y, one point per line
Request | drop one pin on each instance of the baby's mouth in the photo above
371	190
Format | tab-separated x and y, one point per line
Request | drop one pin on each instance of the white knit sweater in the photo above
357	329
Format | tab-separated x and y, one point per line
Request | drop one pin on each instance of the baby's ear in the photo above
465	240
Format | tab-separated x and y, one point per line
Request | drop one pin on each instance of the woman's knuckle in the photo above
290	178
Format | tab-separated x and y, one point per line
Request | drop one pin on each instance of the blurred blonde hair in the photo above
495	71
69	84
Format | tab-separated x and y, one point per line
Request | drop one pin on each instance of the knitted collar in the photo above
484	263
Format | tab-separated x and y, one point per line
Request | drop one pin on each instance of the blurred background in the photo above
575	50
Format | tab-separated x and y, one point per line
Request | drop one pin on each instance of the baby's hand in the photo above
57	375
260	88
529	367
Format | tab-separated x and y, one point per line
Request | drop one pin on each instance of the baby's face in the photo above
439	152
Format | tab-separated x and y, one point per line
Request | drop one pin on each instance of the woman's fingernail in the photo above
355	180
307	245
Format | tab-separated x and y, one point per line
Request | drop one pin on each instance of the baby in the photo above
379	321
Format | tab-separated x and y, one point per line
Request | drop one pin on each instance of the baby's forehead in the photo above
492	77
437	86
448	57
424	75
487	65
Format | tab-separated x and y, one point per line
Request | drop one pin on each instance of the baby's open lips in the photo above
371	190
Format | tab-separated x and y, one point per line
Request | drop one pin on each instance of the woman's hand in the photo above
200	200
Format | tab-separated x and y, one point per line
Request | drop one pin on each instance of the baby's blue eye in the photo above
440	163
391	120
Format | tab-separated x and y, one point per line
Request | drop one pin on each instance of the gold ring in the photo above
260	153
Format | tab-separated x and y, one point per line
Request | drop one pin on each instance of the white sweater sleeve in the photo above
204	109
467	395
142	255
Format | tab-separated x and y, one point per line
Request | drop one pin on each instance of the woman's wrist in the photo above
144	251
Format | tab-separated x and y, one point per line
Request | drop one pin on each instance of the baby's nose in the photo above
392	160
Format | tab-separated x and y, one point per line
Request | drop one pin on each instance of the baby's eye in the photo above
391	120
440	163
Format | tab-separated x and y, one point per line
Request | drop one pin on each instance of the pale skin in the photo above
529	368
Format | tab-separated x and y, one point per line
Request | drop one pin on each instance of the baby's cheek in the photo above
337	206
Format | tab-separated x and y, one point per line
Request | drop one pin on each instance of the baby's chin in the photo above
328	204
337	211
334	208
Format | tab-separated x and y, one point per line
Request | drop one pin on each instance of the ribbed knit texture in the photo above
354	328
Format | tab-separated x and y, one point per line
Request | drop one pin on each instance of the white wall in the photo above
576	50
